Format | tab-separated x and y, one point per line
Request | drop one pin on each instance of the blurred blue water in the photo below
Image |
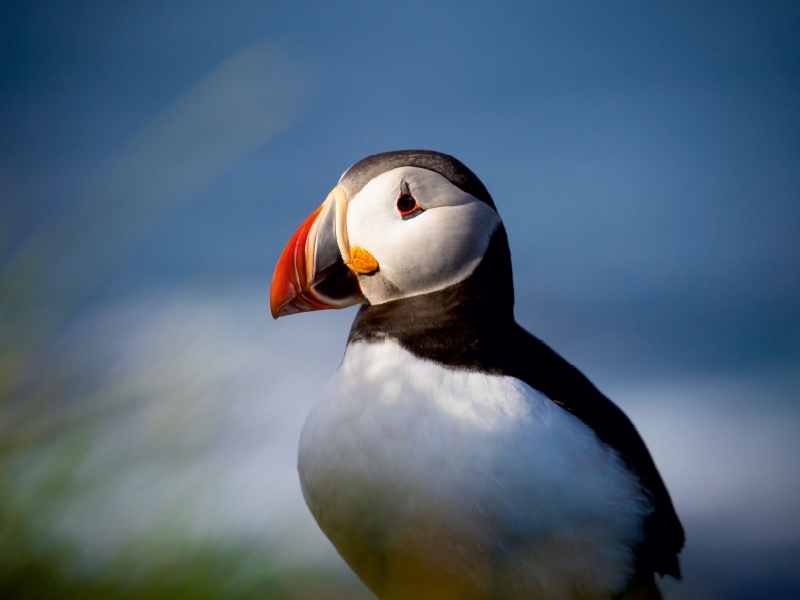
645	159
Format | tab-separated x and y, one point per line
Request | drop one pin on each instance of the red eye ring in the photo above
407	205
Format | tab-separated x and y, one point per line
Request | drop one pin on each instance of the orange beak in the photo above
310	274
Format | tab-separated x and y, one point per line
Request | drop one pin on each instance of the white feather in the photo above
465	485
431	251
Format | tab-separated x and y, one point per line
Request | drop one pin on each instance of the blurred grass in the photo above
46	445
36	565
199	576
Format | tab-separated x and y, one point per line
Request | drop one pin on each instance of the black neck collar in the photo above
460	326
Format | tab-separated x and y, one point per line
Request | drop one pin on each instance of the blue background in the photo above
645	158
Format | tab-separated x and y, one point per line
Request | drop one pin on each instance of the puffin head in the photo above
398	224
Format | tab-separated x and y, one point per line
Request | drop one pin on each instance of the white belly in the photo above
442	483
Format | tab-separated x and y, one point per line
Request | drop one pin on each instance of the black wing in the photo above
533	362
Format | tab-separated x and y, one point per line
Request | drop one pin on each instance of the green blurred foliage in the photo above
198	577
229	113
191	571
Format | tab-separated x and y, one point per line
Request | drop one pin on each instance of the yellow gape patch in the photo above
362	261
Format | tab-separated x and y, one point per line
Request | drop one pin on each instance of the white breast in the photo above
441	483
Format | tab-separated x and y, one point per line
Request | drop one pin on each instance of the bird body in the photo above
454	455
436	482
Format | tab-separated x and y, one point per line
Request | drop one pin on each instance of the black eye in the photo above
406	204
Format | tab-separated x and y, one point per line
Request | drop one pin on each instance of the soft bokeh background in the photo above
155	157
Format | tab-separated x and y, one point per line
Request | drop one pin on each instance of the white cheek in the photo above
441	244
429	252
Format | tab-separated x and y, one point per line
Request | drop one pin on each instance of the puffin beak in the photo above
310	274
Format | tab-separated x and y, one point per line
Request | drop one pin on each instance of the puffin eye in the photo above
407	205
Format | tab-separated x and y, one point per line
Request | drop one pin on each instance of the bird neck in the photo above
457	326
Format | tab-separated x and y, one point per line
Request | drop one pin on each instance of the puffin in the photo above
453	455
